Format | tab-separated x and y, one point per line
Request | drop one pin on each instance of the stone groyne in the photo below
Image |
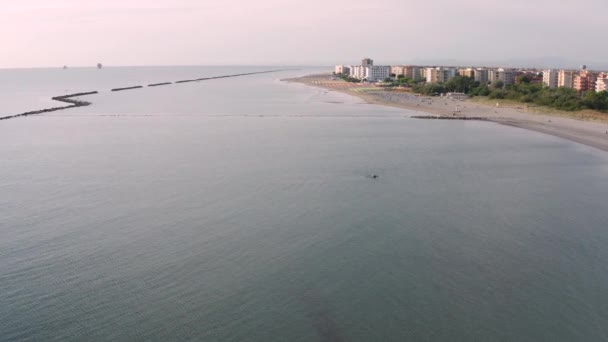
78	103
63	98
126	88
439	117
159	84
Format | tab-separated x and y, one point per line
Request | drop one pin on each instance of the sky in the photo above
45	33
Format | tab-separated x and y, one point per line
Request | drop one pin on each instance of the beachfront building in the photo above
550	78
342	69
468	72
439	74
413	72
372	73
585	80
506	76
375	73
357	71
565	79
602	82
397	70
367	62
481	75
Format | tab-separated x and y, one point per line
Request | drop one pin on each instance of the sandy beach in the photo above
591	133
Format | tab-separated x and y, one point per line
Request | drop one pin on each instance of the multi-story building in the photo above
550	78
506	76
413	72
376	73
602	82
468	72
372	73
439	74
358	72
397	70
481	75
585	80
565	78
342	69
367	62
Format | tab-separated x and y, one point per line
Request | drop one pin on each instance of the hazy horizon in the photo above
537	33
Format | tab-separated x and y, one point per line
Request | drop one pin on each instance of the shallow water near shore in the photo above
242	210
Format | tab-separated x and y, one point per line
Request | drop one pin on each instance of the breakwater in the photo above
159	84
439	117
127	88
63	98
79	103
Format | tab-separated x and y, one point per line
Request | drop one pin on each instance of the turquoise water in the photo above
241	210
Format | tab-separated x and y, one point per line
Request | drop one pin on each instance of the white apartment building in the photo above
565	78
342	69
372	73
439	74
550	78
358	72
376	73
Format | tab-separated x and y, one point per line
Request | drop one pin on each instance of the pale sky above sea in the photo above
43	33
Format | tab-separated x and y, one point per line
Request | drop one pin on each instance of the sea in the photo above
245	209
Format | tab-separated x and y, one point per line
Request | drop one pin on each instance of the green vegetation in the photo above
402	81
523	91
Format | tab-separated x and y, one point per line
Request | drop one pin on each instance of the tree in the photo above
498	84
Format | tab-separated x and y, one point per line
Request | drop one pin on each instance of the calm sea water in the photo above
241	210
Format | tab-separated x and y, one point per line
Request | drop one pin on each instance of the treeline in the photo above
522	91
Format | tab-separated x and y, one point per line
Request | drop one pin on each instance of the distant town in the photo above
581	80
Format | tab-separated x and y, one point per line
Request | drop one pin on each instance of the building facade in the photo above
413	72
357	71
468	72
602	82
481	75
585	80
565	79
550	78
342	69
439	74
506	76
398	70
377	73
367	62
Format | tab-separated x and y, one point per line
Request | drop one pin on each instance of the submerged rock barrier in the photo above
78	103
159	84
127	88
439	117
63	98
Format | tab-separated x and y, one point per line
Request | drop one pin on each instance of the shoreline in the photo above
590	133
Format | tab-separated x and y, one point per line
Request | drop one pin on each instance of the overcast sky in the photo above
37	33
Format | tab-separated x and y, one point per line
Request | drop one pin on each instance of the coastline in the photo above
590	133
